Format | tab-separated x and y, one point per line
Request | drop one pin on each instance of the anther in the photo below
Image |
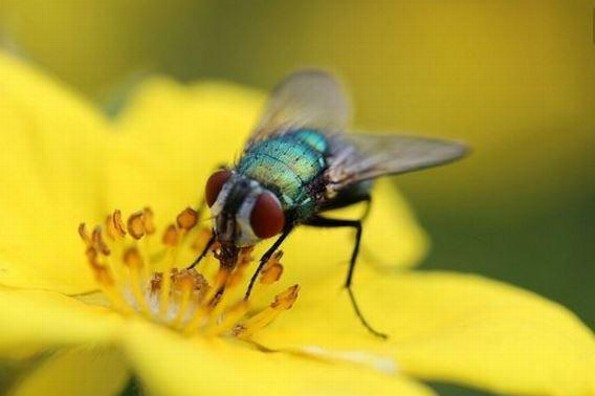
103	276
286	299
245	256
135	225
155	283
184	299
148	221
282	302
191	279
132	258
84	234
101	272
98	242
273	269
187	219
170	236
114	226
238	274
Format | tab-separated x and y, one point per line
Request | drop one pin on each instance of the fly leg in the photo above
368	202
319	221
204	251
263	260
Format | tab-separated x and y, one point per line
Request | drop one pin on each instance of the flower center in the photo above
142	274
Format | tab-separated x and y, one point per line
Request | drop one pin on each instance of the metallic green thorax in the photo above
287	165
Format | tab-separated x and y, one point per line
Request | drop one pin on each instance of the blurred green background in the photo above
516	79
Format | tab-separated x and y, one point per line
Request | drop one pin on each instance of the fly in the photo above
299	163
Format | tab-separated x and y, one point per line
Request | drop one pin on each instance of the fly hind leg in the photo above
320	221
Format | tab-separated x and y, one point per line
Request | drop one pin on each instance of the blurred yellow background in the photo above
515	79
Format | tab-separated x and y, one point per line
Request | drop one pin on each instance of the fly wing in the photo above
306	99
358	157
315	99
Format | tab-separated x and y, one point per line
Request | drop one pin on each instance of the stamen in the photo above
144	278
190	287
102	273
133	260
170	236
239	274
115	226
283	301
98	242
273	269
148	221
232	316
136	225
187	219
165	287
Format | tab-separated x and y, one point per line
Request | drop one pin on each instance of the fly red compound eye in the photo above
215	184
267	218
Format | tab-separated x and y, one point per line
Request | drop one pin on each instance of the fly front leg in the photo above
319	221
201	208
204	252
263	260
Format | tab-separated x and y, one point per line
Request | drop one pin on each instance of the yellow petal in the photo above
392	236
171	138
500	338
80	372
171	365
454	328
31	321
53	146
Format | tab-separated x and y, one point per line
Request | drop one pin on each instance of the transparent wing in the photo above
315	99
358	157
305	99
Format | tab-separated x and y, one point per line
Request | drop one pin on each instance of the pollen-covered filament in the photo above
142	273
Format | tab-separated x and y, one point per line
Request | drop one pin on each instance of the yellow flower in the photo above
64	163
